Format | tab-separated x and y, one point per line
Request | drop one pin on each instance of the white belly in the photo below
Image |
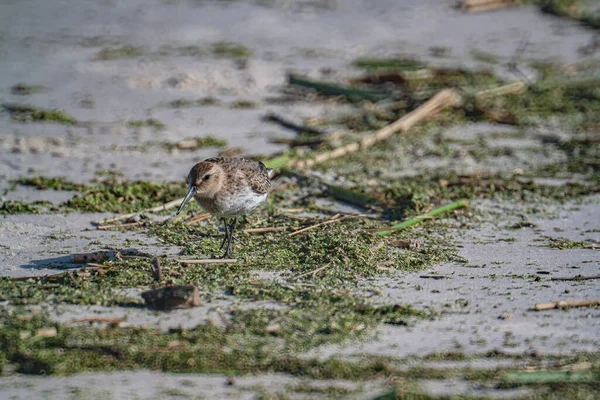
238	205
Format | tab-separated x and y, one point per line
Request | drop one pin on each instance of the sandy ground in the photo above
485	304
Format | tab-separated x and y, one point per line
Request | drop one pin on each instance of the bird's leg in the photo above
226	237
229	248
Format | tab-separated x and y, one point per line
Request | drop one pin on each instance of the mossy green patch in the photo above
348	259
581	10
188	103
564	243
27	113
191	51
23	89
43	183
231	50
119	196
120	52
194	143
243	104
252	340
389	63
484	57
150	122
107	195
332	391
19	207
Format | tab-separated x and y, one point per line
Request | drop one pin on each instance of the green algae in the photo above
150	122
20	207
188	103
574	9
389	63
199	142
27	113
231	50
23	89
44	183
484	57
248	343
564	243
243	104
107	195
119	52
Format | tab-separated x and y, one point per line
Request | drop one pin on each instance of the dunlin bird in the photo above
228	187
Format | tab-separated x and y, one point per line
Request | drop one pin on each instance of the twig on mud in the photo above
163	207
198	218
156	269
292	210
313	272
513	88
266	230
473	6
120	226
272	117
310	142
566	304
576	278
336	218
110	321
520	50
450	207
434	277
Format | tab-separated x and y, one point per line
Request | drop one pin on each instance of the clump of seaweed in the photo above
116	53
27	113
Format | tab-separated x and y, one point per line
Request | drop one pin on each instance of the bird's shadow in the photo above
66	261
60	263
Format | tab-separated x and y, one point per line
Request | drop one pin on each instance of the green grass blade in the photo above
433	213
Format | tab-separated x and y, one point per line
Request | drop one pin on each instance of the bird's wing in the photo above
255	173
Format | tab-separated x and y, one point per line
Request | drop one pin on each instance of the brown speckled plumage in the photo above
248	172
228	187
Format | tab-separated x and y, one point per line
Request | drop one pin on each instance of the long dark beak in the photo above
188	196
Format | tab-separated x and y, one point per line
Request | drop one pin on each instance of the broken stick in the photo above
566	304
513	88
313	272
156	269
163	207
110	321
576	278
443	99
266	230
120	226
473	6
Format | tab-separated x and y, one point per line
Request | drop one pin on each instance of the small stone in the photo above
24	335
172	297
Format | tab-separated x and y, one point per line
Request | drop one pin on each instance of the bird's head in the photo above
204	180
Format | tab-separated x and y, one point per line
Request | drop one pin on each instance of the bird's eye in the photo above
206	177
